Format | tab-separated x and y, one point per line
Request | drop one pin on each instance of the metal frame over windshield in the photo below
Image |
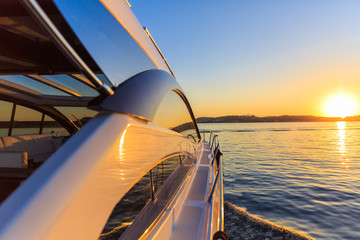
112	47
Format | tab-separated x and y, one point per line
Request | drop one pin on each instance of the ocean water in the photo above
305	176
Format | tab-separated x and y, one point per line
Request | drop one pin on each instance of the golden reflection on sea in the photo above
341	126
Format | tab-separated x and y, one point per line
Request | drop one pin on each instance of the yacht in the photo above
97	138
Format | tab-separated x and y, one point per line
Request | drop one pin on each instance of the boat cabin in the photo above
95	132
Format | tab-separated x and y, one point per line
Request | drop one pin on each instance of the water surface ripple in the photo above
301	175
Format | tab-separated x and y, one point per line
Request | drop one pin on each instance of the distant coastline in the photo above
283	118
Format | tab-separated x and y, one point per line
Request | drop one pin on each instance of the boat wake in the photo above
239	224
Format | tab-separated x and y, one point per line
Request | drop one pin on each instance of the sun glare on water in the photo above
340	106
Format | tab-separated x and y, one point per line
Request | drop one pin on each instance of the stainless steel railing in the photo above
219	181
212	134
215	153
221	173
205	132
214	141
213	138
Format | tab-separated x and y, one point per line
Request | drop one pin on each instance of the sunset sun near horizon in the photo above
340	106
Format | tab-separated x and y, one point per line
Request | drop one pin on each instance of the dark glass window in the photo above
173	114
5	116
53	127
26	142
27	121
79	115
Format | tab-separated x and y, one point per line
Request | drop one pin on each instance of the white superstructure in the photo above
93	118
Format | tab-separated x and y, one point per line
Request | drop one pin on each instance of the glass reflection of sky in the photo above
114	50
341	126
79	112
61	79
102	78
32	84
72	84
171	112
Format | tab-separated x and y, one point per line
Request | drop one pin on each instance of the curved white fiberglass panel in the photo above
72	195
112	47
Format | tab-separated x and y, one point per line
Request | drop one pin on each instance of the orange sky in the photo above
259	57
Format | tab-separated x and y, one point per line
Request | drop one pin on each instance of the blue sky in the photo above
258	57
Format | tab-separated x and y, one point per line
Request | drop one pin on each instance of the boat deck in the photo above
191	222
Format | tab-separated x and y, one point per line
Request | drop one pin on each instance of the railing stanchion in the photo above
216	154
152	188
211	147
221	172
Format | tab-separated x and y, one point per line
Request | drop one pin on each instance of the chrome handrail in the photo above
212	134
215	153
212	144
213	188
221	172
218	178
204	134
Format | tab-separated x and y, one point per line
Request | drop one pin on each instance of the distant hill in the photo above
283	118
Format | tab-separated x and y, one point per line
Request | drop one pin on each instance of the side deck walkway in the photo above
192	221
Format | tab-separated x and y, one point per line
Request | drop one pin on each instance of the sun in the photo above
340	106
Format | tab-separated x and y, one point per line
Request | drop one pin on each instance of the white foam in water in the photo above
239	224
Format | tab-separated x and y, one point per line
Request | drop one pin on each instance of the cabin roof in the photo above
33	68
37	66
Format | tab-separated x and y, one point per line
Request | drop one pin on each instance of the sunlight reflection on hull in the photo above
121	151
135	154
